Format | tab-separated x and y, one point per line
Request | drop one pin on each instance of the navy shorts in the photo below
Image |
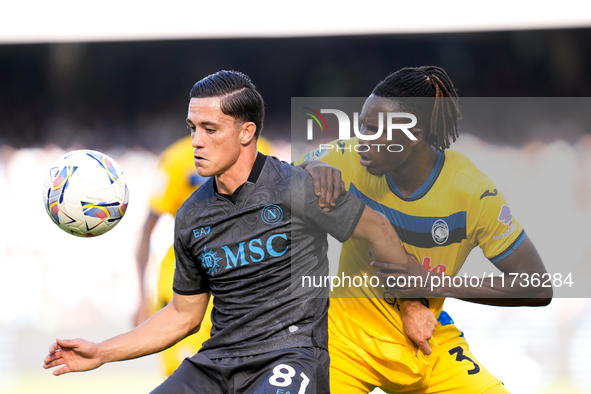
293	371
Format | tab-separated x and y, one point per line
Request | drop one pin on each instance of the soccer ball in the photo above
84	193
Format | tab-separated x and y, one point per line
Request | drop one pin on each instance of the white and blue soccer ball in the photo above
85	193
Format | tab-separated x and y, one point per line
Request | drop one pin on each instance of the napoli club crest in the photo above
440	231
272	214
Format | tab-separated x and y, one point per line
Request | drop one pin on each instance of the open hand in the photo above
77	355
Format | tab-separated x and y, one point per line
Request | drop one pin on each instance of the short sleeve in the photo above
190	277
340	221
497	231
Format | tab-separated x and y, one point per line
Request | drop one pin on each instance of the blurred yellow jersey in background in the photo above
178	176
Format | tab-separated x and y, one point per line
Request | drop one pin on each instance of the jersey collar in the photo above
257	168
255	172
421	191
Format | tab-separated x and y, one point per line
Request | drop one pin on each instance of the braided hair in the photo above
431	82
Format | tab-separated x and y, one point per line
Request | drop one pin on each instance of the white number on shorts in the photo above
286	377
304	384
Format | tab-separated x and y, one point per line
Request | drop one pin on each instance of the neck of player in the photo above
415	171
238	173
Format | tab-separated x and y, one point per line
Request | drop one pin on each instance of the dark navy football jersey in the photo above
251	249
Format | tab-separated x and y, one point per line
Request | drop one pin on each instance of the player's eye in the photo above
191	128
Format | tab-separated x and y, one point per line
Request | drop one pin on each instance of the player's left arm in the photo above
523	265
507	246
525	262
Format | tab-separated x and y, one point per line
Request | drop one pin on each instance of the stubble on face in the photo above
215	136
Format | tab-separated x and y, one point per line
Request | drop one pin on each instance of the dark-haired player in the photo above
441	206
245	236
177	179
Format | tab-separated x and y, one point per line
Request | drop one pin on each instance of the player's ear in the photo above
247	132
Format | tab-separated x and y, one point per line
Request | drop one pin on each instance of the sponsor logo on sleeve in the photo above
319	154
198	232
506	218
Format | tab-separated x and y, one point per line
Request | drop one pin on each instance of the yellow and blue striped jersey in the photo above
456	209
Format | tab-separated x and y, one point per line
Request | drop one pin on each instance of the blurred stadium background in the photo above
116	78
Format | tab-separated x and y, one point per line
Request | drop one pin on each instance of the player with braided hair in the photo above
441	206
426	82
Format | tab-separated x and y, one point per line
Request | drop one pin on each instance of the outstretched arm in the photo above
524	261
178	319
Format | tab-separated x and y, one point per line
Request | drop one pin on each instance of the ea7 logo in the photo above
345	124
198	232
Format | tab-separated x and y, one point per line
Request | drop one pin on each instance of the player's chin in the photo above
204	170
375	170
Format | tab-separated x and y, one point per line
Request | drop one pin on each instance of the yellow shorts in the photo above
172	357
451	368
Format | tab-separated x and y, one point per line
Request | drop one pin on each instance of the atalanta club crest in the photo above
440	231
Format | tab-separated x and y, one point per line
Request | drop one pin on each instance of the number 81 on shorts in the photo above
282	377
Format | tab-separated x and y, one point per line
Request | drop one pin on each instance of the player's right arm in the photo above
326	166
174	322
328	183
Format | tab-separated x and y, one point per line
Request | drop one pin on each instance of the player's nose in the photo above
363	141
363	132
198	140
